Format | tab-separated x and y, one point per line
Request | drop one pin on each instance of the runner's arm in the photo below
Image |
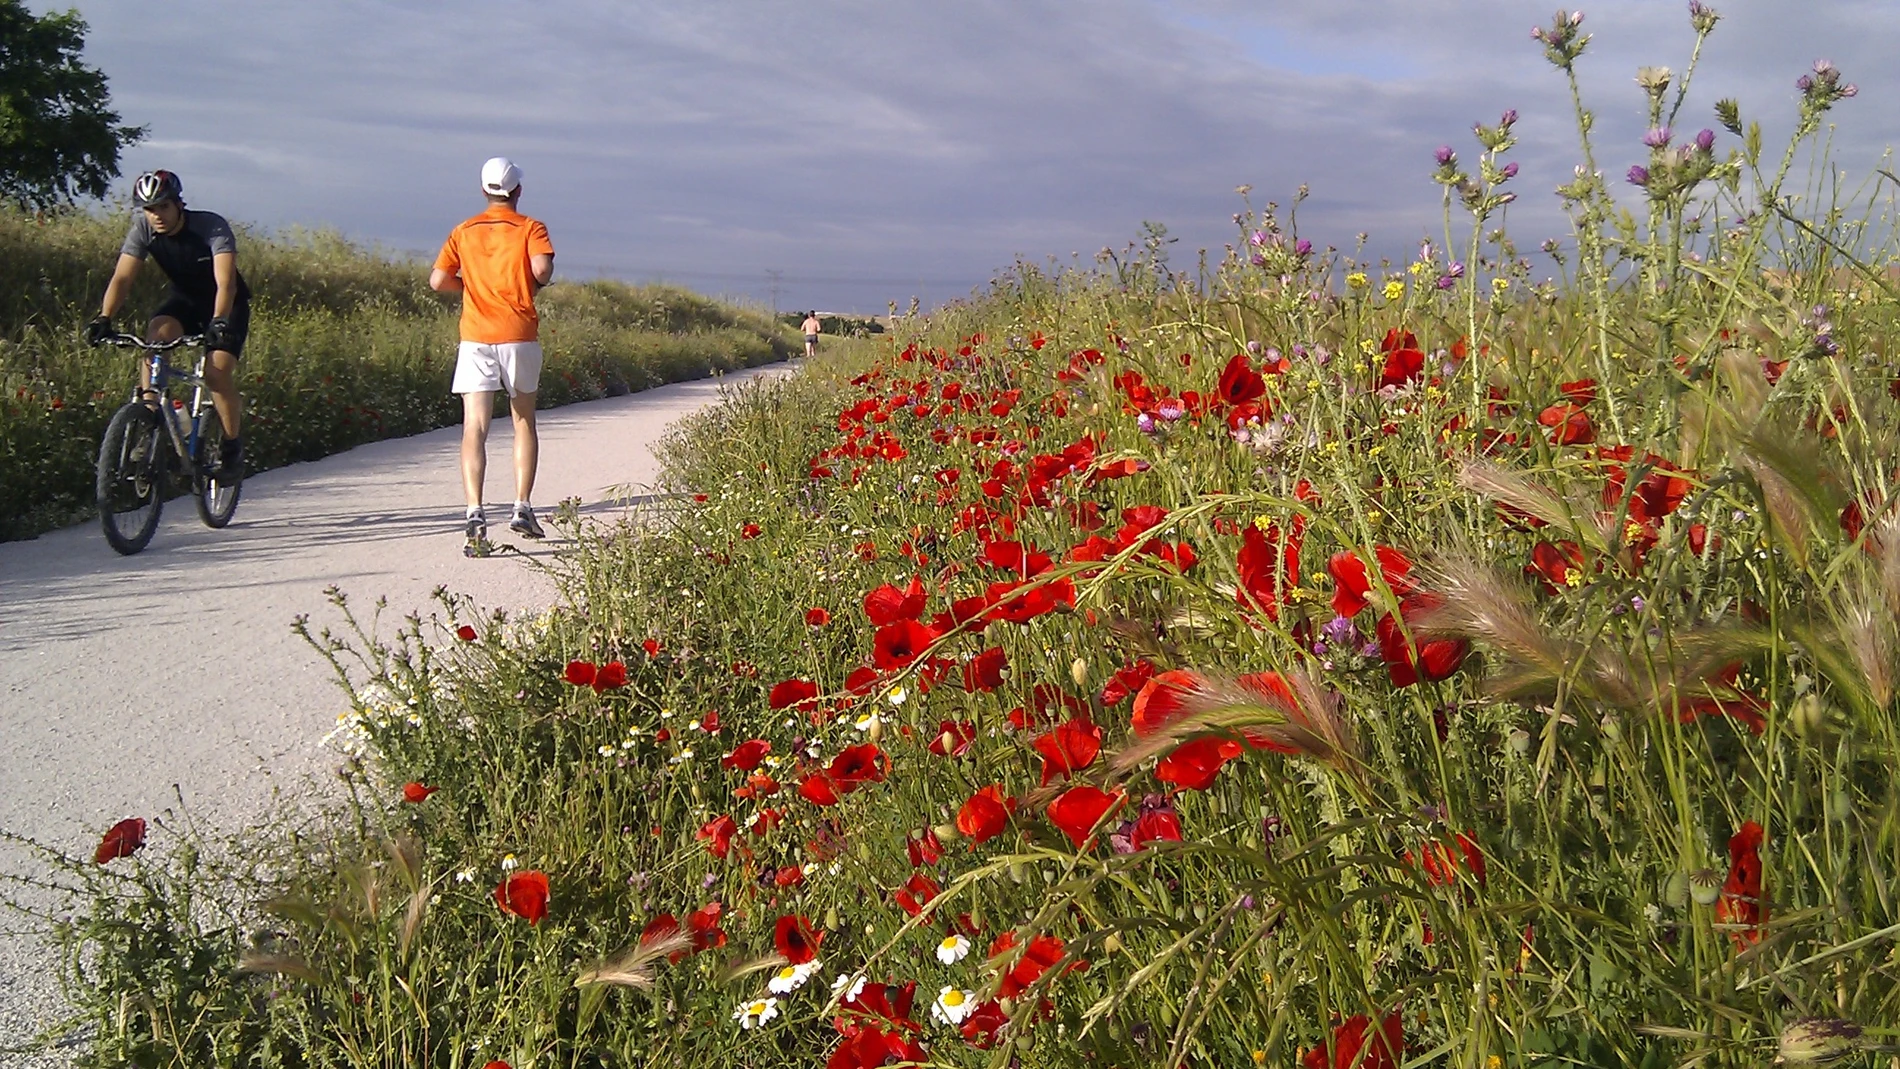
541	264
122	275
224	269
444	281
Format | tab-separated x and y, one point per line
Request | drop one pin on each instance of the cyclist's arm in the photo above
224	269
122	275
444	281
542	265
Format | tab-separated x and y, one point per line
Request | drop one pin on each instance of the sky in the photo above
842	155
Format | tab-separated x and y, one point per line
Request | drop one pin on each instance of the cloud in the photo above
873	149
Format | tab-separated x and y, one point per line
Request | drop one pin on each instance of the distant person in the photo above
497	261
198	253
812	327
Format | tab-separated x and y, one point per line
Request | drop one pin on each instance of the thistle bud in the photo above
1817	1041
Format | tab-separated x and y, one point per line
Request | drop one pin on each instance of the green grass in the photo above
348	346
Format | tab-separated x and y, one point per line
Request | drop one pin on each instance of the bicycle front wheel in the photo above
131	477
216	490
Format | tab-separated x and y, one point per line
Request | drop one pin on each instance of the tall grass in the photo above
348	346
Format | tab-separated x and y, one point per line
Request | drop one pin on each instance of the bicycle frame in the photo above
184	431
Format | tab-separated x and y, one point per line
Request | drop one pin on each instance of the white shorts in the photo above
484	367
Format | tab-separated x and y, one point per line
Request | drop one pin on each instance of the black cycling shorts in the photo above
195	317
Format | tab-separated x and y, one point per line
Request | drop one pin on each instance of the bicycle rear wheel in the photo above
131	477
216	491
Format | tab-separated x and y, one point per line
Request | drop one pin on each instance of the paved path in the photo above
122	676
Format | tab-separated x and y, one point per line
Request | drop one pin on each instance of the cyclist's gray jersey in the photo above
185	257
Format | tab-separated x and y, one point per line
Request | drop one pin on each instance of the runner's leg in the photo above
527	444
476	408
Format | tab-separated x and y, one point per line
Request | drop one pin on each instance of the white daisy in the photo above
791	978
953	949
953	1005
508	863
897	695
865	721
844	981
754	1014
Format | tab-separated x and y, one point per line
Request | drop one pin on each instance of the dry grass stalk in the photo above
406	851
1784	505
739	970
633	967
413	916
263	963
1312	724
1512	488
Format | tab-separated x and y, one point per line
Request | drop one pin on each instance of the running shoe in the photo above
475	528
525	525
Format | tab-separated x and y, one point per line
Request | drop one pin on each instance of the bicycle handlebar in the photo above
133	341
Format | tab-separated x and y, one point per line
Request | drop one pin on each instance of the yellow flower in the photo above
1498	286
1357	280
1260	1057
1262	522
1415	268
1394	289
1494	1062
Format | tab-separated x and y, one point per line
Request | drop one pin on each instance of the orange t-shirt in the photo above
491	252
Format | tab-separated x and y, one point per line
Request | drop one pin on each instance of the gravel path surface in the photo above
121	677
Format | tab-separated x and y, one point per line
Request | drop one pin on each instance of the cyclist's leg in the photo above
477	406
527	444
163	327
221	374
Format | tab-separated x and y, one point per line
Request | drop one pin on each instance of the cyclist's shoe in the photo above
230	461
525	525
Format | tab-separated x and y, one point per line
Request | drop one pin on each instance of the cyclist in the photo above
198	253
497	261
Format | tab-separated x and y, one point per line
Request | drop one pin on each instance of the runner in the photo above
497	261
812	327
198	253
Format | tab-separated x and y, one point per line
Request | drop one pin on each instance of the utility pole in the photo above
774	276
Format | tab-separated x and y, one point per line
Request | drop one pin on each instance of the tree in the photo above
59	137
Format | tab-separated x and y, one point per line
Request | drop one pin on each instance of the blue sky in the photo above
872	150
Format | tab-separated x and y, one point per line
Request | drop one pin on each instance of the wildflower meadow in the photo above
1295	660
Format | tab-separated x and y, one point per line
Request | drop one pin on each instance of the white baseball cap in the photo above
500	176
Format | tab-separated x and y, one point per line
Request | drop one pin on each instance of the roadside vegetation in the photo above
348	346
1304	662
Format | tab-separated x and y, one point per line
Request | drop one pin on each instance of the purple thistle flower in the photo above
1509	118
1850	90
1639	175
1258	237
1658	136
1804	83
1705	140
1253	346
1445	156
1510	171
1302	247
1446	282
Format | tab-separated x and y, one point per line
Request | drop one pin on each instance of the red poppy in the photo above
1068	749
857	765
1721	696
924	849
980	1027
1239	382
746	756
868	1047
662	927
1580	392
1437	658
1357	1046
983	815
1043	953
1569	424
788	876
610	676
1402	365
887	605
916	893
652	646
795	939
1160	700
710	722
717	834
1194	764
818	790
897	644
791	692
984	672
818	617
1076	811
1352	587
1741	902
465	633
1269	567
579	673
415	793
1153	826
703	923
1442	866
524	894
123	839
1558	565
953	738
1125	682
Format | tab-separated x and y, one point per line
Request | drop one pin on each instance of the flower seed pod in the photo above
1079	671
1817	1041
1675	890
1705	886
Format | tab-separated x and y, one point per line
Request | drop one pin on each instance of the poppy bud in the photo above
1817	1041
1675	890
1079	671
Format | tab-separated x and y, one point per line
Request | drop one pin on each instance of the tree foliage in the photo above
59	137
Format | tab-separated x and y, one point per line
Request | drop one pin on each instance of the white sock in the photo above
474	512
523	506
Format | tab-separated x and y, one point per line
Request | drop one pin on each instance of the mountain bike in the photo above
153	436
